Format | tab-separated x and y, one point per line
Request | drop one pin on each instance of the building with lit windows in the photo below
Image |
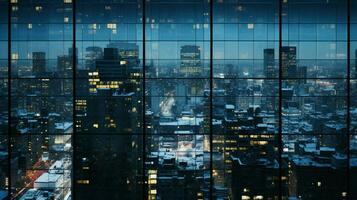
186	100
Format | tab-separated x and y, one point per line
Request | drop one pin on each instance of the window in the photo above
157	99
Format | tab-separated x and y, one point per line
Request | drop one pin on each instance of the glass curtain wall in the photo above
41	98
245	99
177	108
353	100
314	99
4	111
179	99
109	100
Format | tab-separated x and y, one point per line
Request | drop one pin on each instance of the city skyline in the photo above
137	99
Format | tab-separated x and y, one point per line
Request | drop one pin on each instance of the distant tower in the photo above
92	54
269	64
289	66
38	62
127	51
269	85
190	59
302	74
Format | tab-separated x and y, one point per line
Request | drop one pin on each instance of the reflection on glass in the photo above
4	154
353	99
177	99
245	100
155	109
108	101
41	99
314	101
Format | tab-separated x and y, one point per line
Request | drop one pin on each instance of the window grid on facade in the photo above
199	99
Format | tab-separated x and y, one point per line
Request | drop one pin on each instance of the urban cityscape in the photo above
178	99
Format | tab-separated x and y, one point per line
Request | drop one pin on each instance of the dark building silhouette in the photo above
289	65
178	102
269	64
190	56
270	73
38	63
92	54
110	113
255	178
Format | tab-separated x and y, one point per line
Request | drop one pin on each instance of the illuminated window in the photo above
111	26
14	56
38	8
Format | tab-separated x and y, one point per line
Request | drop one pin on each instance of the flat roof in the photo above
48	178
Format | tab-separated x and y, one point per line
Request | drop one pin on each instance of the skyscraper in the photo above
128	52
93	53
38	63
288	59
111	109
190	56
269	64
269	86
161	100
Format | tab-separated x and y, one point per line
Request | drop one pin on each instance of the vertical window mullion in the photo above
9	96
348	94
74	67
143	21
211	99
280	103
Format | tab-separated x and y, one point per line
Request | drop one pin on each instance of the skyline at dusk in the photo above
178	99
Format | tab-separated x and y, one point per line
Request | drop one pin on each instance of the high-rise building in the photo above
190	56
302	74
112	108
64	65
161	100
38	63
288	59
128	52
120	156
270	70
112	66
93	53
106	109
271	74
254	178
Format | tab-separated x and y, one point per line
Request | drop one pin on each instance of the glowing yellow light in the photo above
111	26
38	8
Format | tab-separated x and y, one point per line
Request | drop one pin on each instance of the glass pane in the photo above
353	99
4	106
41	99
109	100
245	99
314	99
177	99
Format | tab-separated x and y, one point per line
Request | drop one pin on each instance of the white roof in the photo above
63	125
48	178
192	121
229	106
